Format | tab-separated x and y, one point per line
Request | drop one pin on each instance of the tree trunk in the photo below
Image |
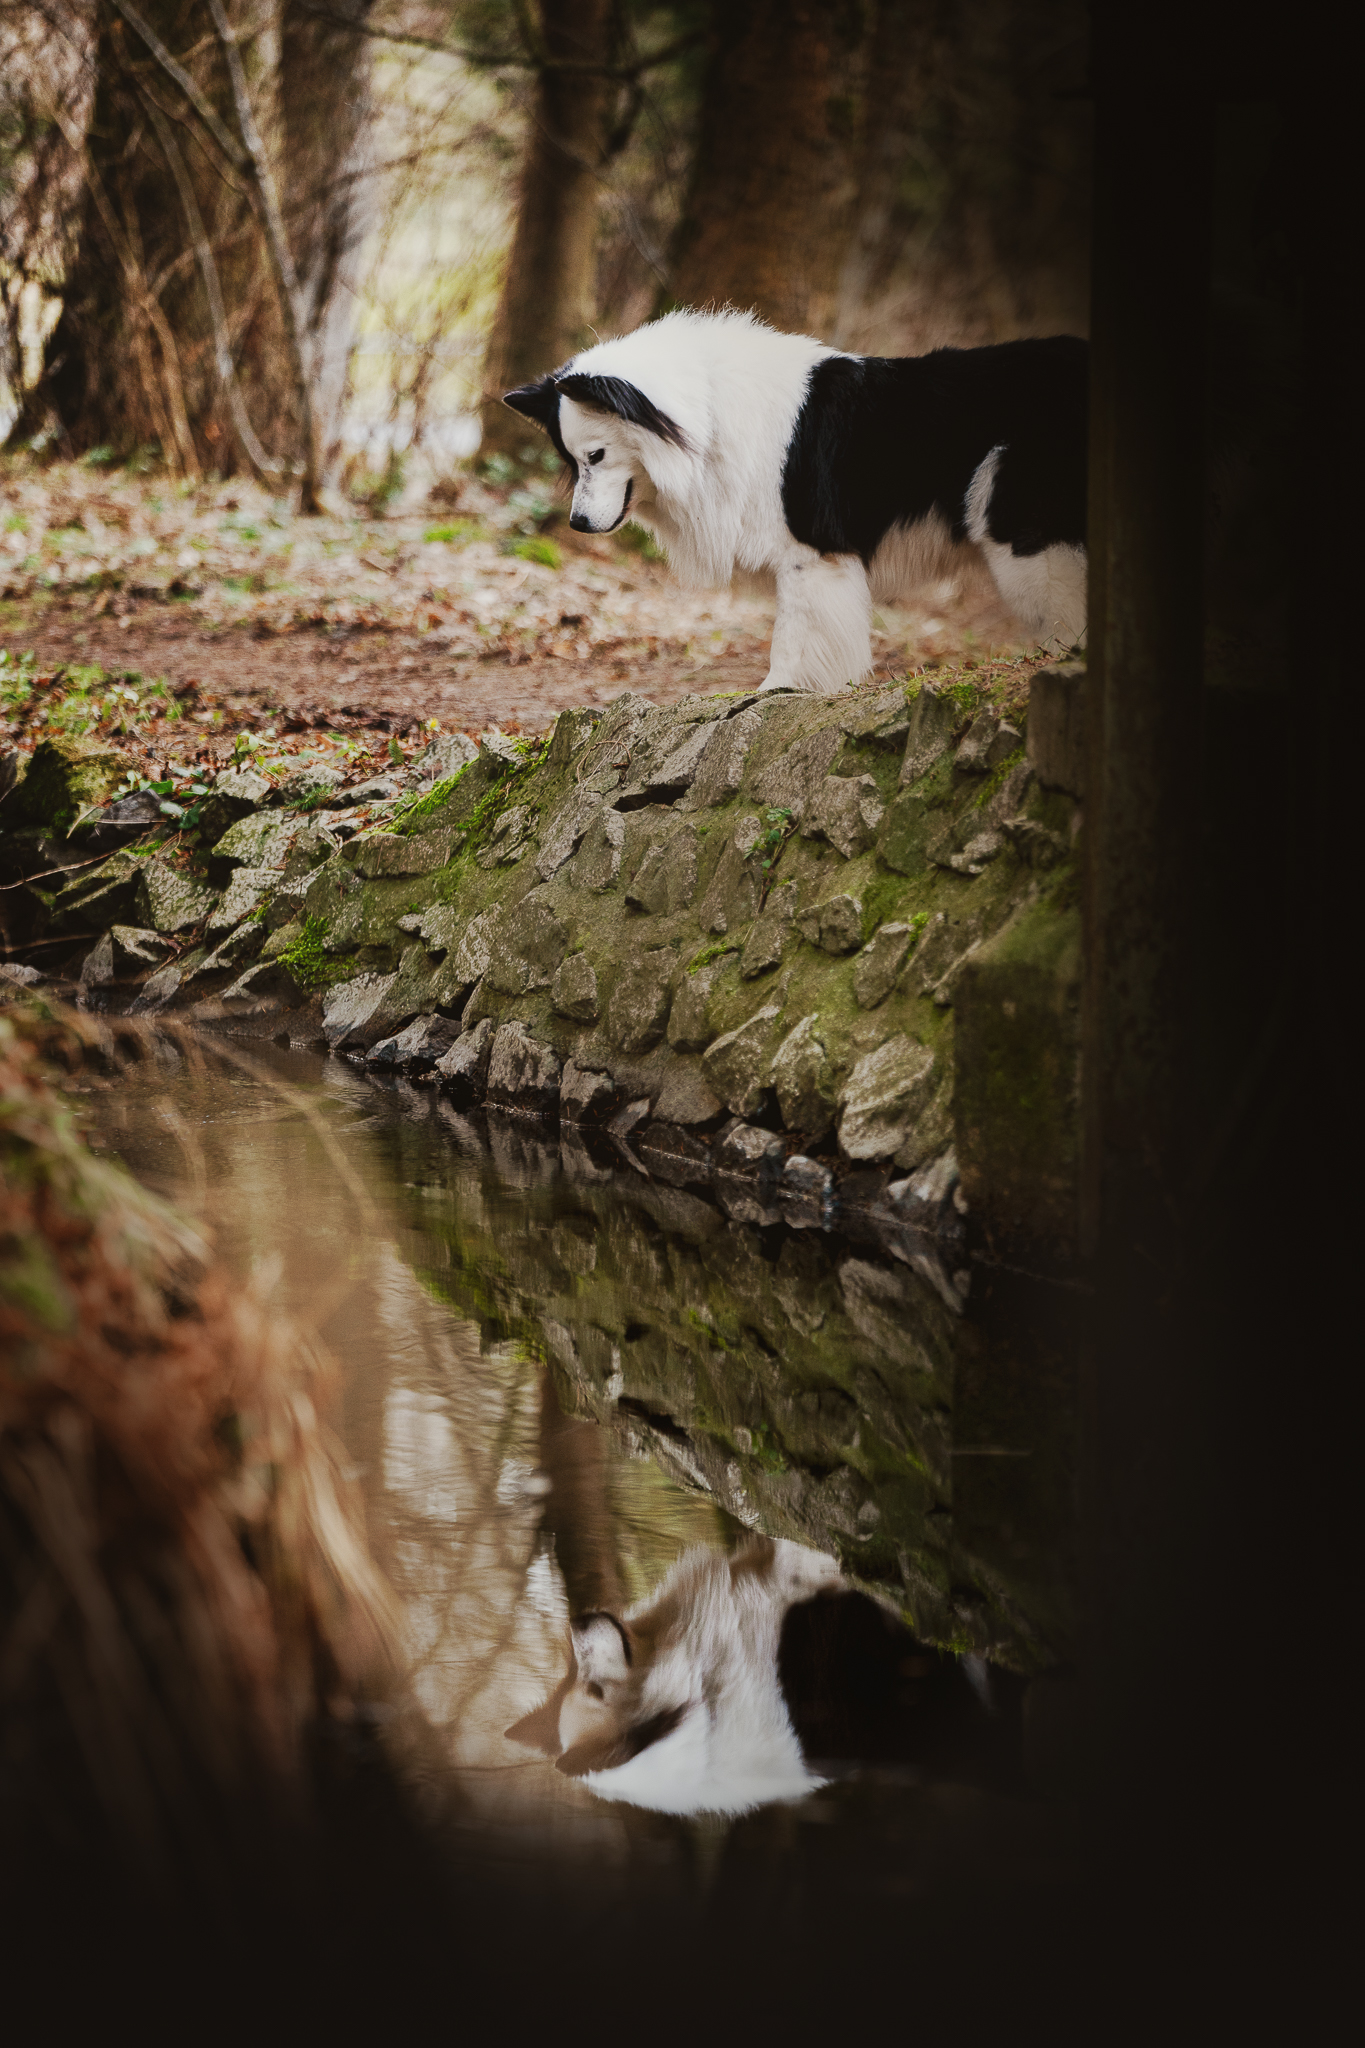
174	327
766	212
325	106
547	295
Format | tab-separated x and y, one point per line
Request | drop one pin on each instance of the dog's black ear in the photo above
627	401
538	401
607	1751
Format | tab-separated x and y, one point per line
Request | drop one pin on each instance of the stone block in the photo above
689	1026
169	900
354	1015
586	1096
267	986
560	838
574	990
376	854
417	1047
259	841
598	862
1056	727
313	779
720	771
836	925
637	1011
532	940
1017	1062
803	1081
980	749
474	947
846	810
764	946
750	1153
464	1067
933	720
883	1098
666	879
879	963
790	782
572	729
63	778
737	1066
136	949
522	1072
509	839
685	1098
247	891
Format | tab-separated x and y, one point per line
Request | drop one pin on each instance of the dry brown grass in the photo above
185	1587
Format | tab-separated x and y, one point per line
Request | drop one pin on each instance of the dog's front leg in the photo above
822	634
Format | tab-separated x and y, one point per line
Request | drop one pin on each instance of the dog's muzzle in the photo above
582	525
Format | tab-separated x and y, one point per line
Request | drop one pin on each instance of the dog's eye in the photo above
594	1690
597	454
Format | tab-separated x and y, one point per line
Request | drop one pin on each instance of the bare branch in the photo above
281	258
530	58
227	375
186	84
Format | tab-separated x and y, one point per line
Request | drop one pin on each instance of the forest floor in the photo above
166	620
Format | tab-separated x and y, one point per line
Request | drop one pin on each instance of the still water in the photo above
559	1376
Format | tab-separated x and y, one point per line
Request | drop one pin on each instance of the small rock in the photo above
836	925
314	779
988	742
352	1015
977	854
846	810
689	1027
246	892
171	901
885	1095
932	1198
122	822
685	1098
97	968
737	1065
1036	846
933	718
675	773
638	1008
376	789
417	1048
447	754
805	1193
523	1073
803	1081
464	1068
585	1096
763	947
572	729
904	834
574	989
750	1153
268	986
19	976
879	963
135	949
159	988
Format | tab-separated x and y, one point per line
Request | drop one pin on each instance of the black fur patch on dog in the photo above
540	402
627	401
886	440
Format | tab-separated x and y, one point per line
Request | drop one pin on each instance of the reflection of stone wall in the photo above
805	1384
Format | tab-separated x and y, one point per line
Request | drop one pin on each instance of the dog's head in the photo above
599	426
596	1719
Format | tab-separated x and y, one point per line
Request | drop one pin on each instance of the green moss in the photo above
308	960
413	811
717	951
997	777
535	548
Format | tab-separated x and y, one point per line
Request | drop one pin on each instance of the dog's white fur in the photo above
703	1662
735	387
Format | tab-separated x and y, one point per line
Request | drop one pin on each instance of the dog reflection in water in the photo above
677	1706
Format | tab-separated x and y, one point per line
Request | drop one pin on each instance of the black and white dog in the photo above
853	478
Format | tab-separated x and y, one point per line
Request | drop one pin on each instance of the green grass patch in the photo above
457	532
534	547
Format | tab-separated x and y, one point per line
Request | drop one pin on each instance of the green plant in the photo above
535	548
414	810
781	825
99	458
716	951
